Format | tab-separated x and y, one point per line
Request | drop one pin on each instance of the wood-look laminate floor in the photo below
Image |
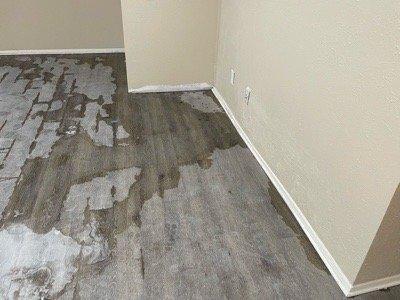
106	195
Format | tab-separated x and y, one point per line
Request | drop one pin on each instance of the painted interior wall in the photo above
324	113
61	24
170	42
383	258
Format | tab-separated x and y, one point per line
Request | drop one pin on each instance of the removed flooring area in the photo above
107	195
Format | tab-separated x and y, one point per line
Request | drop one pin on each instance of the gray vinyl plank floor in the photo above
110	195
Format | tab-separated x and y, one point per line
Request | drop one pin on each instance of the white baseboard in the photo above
61	51
172	88
348	289
375	285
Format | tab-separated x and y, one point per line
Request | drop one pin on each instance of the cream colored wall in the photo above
325	108
383	258
170	42
61	24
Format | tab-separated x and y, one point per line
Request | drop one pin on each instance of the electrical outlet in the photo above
233	76
247	95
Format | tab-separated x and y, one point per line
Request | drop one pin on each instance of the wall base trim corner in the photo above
319	246
374	285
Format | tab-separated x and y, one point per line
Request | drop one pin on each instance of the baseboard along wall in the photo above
172	88
61	51
348	288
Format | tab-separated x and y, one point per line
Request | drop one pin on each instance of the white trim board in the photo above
348	289
172	88
375	285
61	51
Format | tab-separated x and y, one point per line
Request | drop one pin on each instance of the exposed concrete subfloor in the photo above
106	195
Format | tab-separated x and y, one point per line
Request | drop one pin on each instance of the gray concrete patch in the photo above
34	266
201	102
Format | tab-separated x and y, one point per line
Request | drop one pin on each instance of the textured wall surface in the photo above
325	109
62	24
383	259
170	42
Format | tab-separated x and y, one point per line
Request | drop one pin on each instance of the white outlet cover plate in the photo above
247	94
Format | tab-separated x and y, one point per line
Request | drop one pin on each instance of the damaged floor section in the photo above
107	195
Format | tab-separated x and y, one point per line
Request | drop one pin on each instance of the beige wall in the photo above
60	24
383	259
325	109
170	42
